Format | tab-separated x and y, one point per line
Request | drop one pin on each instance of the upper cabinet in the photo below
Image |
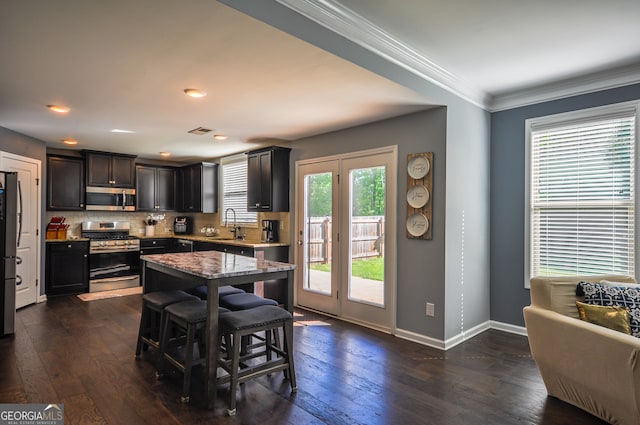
198	188
268	179
155	188
65	183
110	170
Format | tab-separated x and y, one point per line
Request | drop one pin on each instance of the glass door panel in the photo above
317	232
367	194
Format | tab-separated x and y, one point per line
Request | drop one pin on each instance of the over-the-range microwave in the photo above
110	199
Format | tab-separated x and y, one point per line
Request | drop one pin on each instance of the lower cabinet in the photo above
158	246
67	268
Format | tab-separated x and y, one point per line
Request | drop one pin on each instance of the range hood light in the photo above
70	142
220	137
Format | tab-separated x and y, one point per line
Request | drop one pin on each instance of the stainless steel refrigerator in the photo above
8	209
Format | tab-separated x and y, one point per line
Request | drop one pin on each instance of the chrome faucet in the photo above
236	229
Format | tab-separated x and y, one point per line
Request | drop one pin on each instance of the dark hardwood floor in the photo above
81	354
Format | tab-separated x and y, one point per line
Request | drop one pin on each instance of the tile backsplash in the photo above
165	226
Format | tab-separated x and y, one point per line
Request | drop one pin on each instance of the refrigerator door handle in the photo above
19	213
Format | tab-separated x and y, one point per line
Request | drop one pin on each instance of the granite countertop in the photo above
218	239
216	264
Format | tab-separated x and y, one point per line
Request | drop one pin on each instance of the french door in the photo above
345	231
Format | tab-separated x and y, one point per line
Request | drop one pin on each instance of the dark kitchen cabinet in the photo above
155	188
110	170
65	183
268	179
158	246
198	188
67	268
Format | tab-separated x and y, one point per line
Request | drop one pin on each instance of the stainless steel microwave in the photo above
110	199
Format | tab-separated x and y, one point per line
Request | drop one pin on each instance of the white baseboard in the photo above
462	336
507	327
42	298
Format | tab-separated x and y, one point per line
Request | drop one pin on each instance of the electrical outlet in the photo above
430	310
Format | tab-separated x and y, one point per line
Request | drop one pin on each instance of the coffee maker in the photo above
270	230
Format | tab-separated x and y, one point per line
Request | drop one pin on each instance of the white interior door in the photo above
345	231
28	250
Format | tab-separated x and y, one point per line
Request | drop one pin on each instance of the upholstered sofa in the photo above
592	367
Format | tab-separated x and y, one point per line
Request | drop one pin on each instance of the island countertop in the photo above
216	264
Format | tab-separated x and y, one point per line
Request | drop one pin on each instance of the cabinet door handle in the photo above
85	255
81	205
18	280
18	260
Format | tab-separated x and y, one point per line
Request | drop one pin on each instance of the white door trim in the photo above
38	163
391	242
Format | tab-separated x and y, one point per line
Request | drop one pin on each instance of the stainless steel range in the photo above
114	255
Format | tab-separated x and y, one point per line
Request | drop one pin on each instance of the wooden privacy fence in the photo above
367	238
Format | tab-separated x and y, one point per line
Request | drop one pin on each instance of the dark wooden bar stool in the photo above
153	304
188	320
236	325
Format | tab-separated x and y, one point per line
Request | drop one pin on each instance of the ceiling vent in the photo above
200	131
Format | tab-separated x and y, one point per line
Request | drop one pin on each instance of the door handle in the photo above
19	214
300	243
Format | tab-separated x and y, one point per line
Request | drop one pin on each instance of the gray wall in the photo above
420	263
508	294
19	144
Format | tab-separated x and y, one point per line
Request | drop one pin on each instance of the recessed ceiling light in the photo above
195	93
59	108
117	130
220	137
165	153
70	142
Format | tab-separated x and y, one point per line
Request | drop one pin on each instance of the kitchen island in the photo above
188	270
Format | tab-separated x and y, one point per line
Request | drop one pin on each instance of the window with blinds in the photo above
582	195
234	190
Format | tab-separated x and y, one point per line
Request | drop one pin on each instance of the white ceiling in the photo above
124	63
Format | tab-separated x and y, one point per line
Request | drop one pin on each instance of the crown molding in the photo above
604	80
354	27
343	21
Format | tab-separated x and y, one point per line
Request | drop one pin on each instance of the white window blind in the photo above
582	205
234	190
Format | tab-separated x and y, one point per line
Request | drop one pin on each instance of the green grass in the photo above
371	268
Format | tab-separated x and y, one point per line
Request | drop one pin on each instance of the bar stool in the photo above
237	324
188	318
153	304
223	291
245	301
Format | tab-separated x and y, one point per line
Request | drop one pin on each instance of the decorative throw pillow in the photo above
621	296
612	317
621	284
